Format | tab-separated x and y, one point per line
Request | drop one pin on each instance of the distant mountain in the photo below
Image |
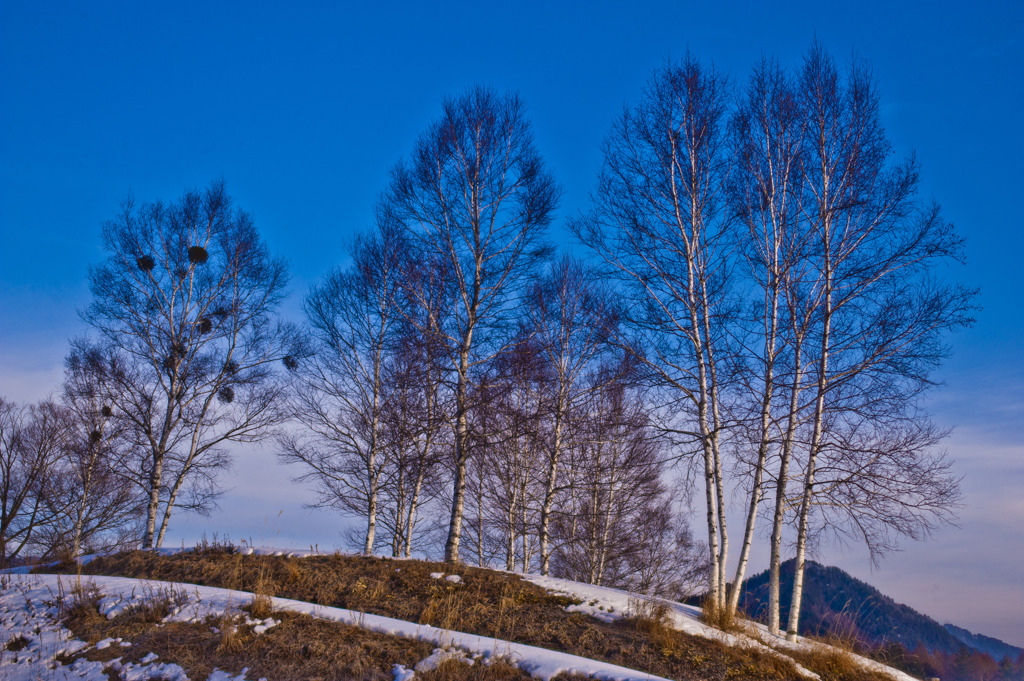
984	644
836	603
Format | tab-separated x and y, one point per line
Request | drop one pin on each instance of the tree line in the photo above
756	312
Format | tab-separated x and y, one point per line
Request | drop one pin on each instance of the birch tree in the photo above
509	436
661	227
98	507
340	395
880	313
572	323
767	132
616	480
475	196
32	439
415	415
183	311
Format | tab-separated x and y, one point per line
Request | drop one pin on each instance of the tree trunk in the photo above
756	493
152	508
775	560
76	539
413	503
371	524
451	548
171	499
819	413
549	493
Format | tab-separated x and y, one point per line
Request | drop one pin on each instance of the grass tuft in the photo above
720	618
16	643
651	617
231	642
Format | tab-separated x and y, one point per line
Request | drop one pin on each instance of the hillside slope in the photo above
653	637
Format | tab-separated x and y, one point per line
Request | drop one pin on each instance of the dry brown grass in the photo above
231	640
499	670
651	617
299	648
261	606
833	663
485	602
721	618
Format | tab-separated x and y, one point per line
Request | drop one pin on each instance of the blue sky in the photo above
304	110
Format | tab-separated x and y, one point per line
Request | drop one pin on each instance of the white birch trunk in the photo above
815	445
549	491
775	559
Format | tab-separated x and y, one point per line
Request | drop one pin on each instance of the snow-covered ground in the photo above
29	607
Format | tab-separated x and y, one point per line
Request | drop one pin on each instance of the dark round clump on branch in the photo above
106	411
95	436
154	363
198	255
290	363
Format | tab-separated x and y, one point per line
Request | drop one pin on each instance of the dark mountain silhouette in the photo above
838	604
984	644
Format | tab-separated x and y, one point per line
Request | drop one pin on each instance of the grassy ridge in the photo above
484	602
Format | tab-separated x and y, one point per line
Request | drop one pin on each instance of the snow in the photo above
219	675
439	656
454	579
402	674
146	671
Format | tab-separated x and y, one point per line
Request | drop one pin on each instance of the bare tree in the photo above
665	559
616	471
571	321
97	507
880	314
476	197
881	478
661	226
31	441
422	371
414	417
512	438
340	396
767	133
183	309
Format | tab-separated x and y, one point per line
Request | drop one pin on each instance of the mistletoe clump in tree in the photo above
183	311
